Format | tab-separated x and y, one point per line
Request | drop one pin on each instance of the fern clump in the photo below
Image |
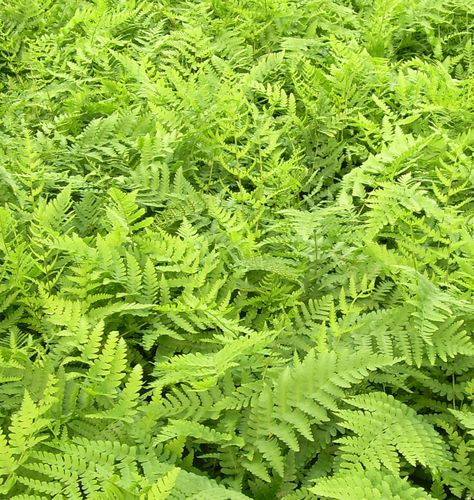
236	249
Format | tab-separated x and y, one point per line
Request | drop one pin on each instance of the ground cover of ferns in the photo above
236	249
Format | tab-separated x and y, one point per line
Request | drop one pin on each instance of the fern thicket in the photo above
236	249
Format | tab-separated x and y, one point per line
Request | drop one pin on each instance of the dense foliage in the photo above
236	249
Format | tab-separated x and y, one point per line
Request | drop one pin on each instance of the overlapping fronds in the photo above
236	249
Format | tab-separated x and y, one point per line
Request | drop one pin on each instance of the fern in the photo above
236	254
400	429
371	483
